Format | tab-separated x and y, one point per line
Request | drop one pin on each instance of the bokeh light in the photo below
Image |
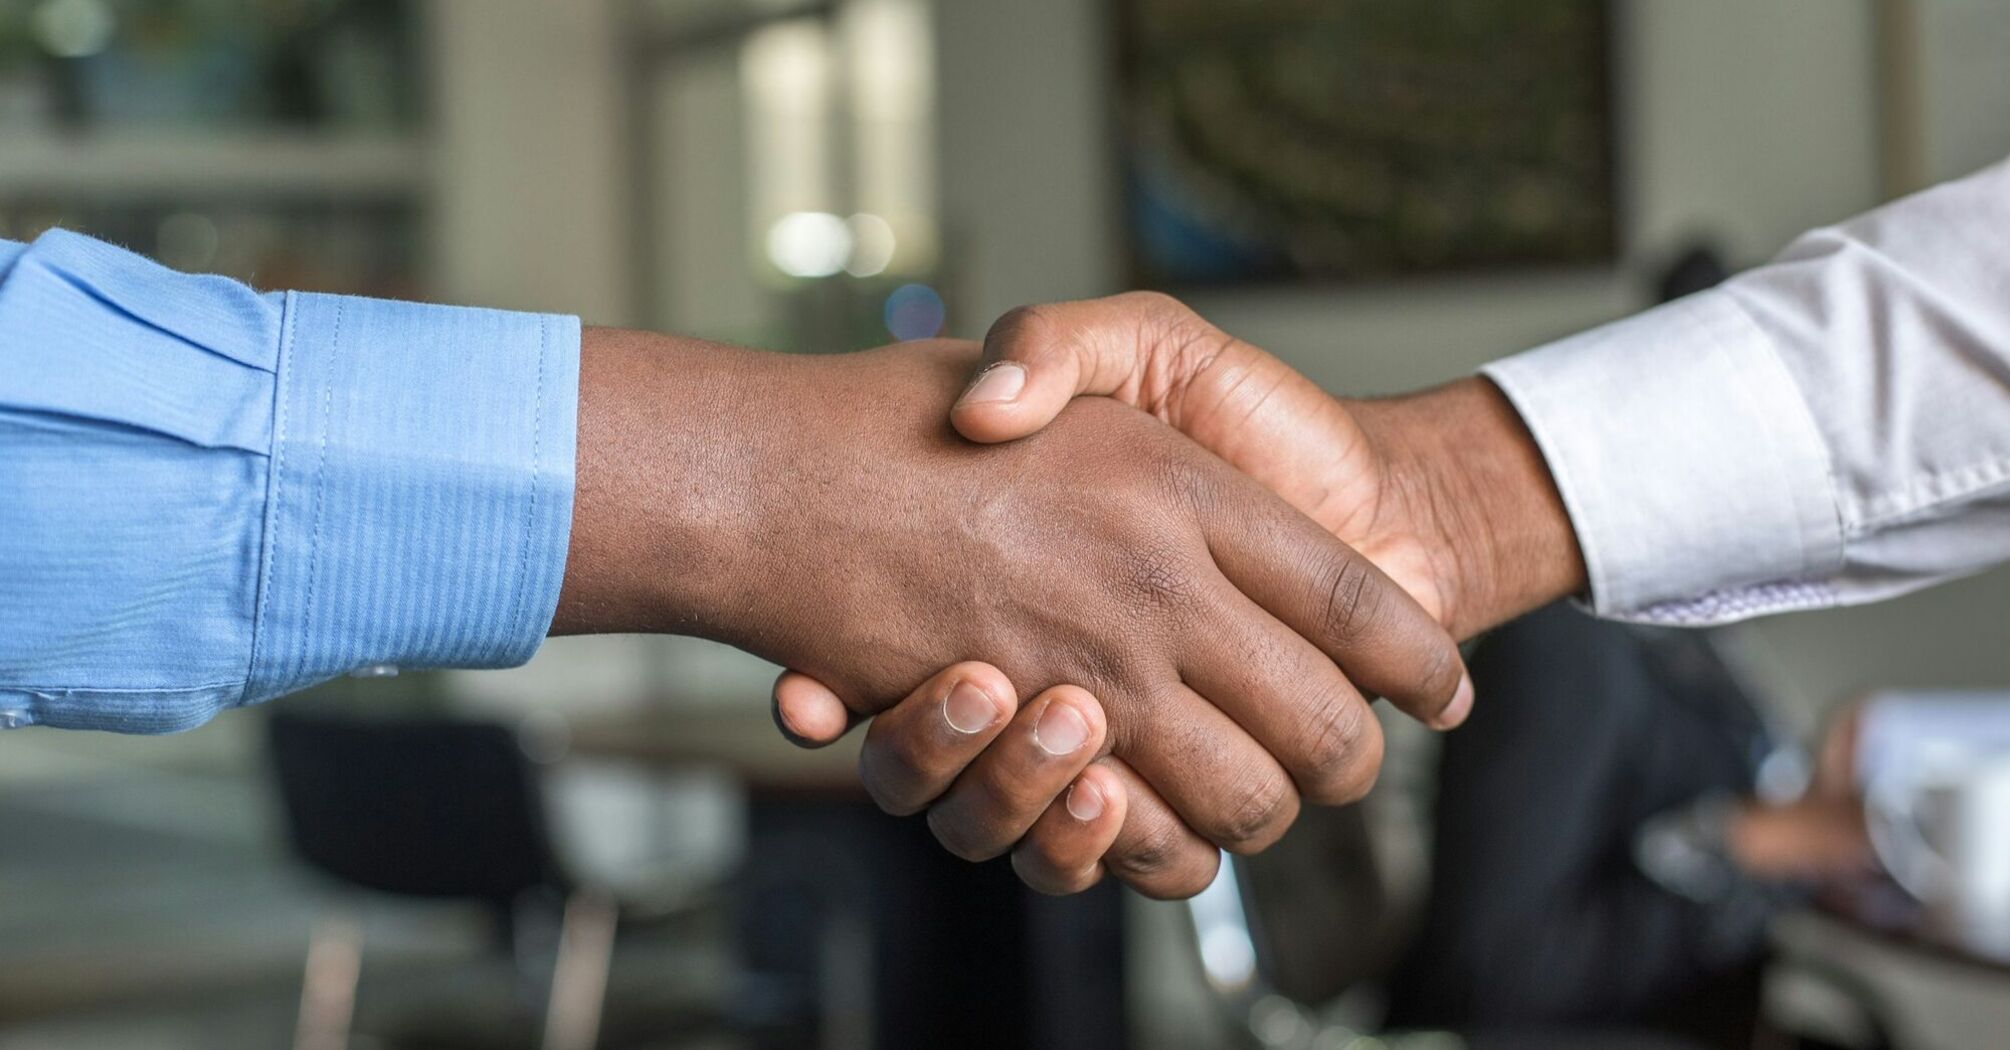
915	311
872	245
187	241
809	244
74	28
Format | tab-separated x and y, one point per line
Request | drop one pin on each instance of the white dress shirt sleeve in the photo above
1829	429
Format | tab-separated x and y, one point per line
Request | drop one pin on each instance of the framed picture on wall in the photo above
1320	140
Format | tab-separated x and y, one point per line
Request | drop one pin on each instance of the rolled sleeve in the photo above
1691	467
421	488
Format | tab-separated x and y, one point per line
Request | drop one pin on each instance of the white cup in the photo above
1941	826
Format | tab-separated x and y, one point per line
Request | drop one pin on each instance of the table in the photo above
1841	979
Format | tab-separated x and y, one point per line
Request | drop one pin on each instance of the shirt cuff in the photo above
1692	469
421	482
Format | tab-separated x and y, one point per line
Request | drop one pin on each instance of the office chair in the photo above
435	808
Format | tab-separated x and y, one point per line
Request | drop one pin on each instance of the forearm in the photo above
1478	492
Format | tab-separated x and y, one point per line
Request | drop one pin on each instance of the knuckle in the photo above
1353	600
1264	807
1428	690
1153	852
1160	578
1021	326
1177	472
1352	781
1105	669
1333	748
1184	883
1147	299
1163	318
1439	675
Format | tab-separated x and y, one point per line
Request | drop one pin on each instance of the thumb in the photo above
1038	358
809	712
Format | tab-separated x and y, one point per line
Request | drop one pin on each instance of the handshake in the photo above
1198	605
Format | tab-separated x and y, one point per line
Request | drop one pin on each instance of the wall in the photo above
528	156
1746	120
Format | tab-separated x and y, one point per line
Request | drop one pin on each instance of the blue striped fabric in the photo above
211	496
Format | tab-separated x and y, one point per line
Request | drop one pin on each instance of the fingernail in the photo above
1060	730
1455	712
1000	382
1085	802
967	709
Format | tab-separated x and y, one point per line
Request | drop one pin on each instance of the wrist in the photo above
658	518
1475	491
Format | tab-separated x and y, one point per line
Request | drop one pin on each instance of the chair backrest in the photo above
431	808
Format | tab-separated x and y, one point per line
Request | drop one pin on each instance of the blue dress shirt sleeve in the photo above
211	496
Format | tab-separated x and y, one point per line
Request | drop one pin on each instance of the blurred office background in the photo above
829	175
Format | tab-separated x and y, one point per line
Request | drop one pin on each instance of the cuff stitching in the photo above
320	472
275	482
1930	491
536	463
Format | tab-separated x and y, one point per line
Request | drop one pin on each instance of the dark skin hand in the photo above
1445	490
1820	835
820	512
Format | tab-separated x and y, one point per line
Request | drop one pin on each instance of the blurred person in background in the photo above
1618	826
1611	838
1612	835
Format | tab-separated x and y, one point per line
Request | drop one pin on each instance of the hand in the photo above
986	770
817	512
1444	490
1820	835
1835	760
1810	839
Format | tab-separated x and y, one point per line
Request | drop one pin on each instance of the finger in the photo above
1135	347
915	749
809	713
1155	853
1284	692
1063	852
1017	778
1338	600
1154	353
1224	785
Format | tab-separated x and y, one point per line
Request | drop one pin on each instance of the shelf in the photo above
210	164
